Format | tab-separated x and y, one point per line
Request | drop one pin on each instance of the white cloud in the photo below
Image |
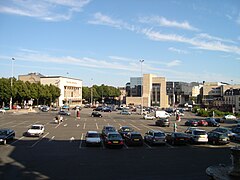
48	10
101	19
174	63
162	21
179	51
214	38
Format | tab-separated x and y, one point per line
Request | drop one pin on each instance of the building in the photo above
71	89
122	97
153	91
232	100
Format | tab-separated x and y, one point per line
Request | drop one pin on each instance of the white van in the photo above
162	114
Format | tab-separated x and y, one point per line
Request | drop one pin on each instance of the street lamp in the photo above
10	104
232	96
141	61
91	93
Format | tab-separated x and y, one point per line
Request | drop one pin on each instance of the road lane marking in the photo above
39	140
120	125
97	125
81	140
114	120
58	125
147	145
15	141
135	127
19	124
84	125
51	139
65	125
105	120
78	125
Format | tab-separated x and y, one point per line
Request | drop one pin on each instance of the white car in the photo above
93	138
35	130
149	117
229	116
2	111
199	136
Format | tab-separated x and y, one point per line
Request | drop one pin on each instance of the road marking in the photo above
19	124
84	125
147	145
78	125
39	140
133	120
135	127
95	120
124	120
125	146
65	125
120	125
81	139
108	124
6	123
72	139
105	120
146	127
97	125
114	120
58	125
15	141
51	139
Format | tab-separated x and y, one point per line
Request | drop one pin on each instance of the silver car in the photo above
155	137
93	138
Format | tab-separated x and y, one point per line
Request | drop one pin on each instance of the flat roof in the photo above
59	77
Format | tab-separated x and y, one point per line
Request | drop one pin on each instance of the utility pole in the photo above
141	61
10	104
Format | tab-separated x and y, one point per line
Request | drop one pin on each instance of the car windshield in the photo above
223	136
199	132
93	135
35	127
114	136
3	132
159	134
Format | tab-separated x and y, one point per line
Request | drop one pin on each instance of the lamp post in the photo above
10	104
141	61
91	93
232	96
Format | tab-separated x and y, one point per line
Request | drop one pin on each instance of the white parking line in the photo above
146	127
84	125
58	125
39	140
15	141
65	125
78	125
19	124
135	127
6	123
81	139
147	145
120	125
105	120
51	139
97	125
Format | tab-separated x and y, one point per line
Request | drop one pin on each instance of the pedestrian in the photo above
175	127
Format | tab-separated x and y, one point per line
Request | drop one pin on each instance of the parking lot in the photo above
61	151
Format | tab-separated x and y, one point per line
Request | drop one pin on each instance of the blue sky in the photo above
102	41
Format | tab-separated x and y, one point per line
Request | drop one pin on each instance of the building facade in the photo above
231	100
71	89
153	91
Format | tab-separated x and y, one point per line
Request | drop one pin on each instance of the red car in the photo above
202	123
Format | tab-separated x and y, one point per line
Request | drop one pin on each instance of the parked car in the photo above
162	122
155	137
45	108
176	138
212	122
66	113
124	130
125	112
2	110
224	130
93	138
229	117
198	136
236	133
6	135
202	123
113	139
219	120
96	114
108	129
236	130
35	130
215	137
134	138
107	109
99	108
148	117
77	107
191	123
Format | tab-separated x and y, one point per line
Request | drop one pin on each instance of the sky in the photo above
103	41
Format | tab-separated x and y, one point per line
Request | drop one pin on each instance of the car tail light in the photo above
121	142
109	142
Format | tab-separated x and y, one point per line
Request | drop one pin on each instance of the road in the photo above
61	152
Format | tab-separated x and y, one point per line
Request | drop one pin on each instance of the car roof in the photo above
156	131
134	132
113	132
198	130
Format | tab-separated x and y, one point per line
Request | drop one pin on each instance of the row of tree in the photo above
23	91
98	93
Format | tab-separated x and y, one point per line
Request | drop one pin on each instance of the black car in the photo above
177	138
96	114
215	137
106	109
124	130
191	123
108	129
162	122
99	108
134	138
212	122
6	135
113	139
219	120
66	113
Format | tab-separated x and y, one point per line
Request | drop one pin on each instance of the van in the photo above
162	114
